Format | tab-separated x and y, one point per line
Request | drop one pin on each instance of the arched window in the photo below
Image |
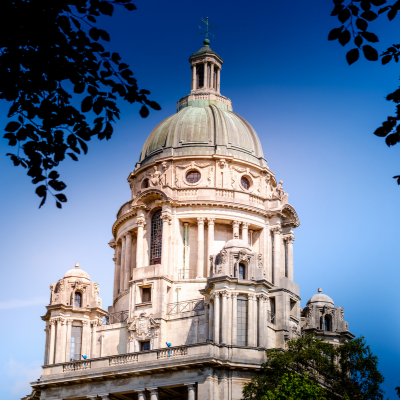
327	324
156	238
200	75
77	300
145	184
242	271
245	182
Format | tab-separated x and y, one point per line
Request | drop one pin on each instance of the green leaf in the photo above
392	13
144	112
369	15
334	33
352	56
386	59
362	24
344	15
370	53
61	197
344	37
87	103
371	37
104	35
12	126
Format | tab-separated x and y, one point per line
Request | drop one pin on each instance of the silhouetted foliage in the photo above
355	16
49	54
348	371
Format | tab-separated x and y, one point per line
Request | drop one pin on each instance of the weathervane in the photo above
207	29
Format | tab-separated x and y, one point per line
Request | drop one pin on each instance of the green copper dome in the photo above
205	131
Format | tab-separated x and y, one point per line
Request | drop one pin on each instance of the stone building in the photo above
204	277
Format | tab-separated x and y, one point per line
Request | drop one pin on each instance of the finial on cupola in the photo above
319	290
76	265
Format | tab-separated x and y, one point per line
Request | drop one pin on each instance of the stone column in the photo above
252	323
245	232
46	345
93	350
205	75
68	342
277	254
196	321
194	77
212	77
210	242
63	340
52	340
141	394
251	237
229	318
216	317
191	392
166	220
59	348
153	393
211	321
266	324
262	324
116	272
128	260
224	324
140	221
200	247
85	338
122	269
235	225
234	318
289	244
219	80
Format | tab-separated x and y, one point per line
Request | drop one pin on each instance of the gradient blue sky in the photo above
314	115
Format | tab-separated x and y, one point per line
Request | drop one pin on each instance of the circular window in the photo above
245	183
193	176
145	184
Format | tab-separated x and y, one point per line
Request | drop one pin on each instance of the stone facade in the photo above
203	279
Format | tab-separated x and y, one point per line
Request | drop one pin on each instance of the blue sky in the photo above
315	117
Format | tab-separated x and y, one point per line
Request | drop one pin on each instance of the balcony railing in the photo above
125	359
177	351
186	274
76	366
185	306
115	318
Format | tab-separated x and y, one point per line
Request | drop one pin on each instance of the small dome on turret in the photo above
237	243
320	299
77	273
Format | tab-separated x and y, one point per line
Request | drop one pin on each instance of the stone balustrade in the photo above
172	352
124	359
76	366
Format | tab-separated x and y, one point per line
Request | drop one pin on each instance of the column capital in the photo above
215	295
245	224
129	233
289	238
69	321
251	296
140	221
277	230
234	294
52	321
262	296
166	218
211	221
200	220
225	293
95	323
236	223
85	323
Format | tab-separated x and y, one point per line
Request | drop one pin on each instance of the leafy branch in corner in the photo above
355	16
46	49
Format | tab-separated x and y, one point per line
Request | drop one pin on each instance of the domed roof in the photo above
237	243
77	273
203	129
321	299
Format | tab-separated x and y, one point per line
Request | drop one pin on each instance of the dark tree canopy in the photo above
349	371
50	52
355	17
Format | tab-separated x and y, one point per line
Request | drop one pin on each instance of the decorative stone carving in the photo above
143	326
222	162
155	177
96	289
280	194
60	286
259	260
276	230
289	239
140	221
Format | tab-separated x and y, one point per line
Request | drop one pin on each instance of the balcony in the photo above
185	306
116	318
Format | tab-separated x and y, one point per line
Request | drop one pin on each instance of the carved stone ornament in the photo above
260	261
140	221
143	326
222	163
60	286
96	289
155	177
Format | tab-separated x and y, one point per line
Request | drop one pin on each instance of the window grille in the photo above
242	322
76	342
77	300
156	238
193	176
